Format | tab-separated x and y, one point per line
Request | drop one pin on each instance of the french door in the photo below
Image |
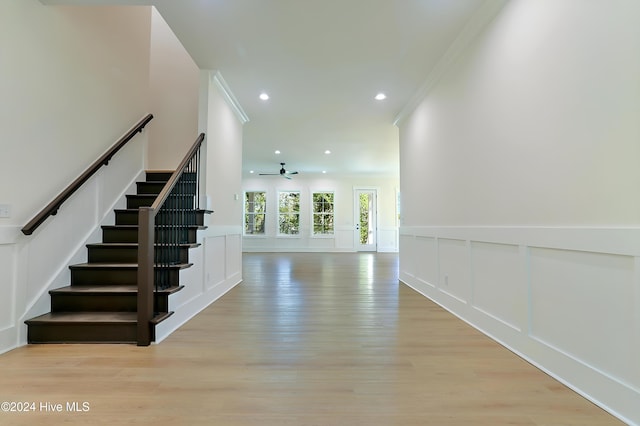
365	206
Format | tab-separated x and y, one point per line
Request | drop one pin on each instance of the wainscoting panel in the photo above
191	278
565	299
233	244
344	238
53	244
427	266
593	292
43	258
454	273
341	241
7	287
499	284
218	270
408	262
387	239
215	258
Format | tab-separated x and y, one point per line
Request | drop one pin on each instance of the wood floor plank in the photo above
306	339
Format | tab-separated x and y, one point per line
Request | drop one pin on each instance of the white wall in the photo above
345	232
519	183
174	81
223	237
189	102
70	87
547	97
218	261
224	154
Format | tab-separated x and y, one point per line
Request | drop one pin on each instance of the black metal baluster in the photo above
194	186
178	213
170	218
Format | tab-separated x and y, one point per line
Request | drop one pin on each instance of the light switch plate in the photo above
5	210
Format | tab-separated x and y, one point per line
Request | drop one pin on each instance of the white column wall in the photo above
218	261
519	184
174	81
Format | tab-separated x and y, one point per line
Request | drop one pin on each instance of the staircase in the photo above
100	304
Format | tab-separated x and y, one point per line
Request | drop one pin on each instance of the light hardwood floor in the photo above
306	339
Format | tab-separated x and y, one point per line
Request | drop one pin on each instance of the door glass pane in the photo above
365	218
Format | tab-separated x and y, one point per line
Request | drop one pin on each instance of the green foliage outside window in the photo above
365	209
255	206
289	213
323	213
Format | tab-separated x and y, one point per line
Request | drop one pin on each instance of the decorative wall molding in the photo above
229	97
615	240
565	299
40	262
217	269
483	16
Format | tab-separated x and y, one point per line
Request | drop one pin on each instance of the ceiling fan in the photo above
284	173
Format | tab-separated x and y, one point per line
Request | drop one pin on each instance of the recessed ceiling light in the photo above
264	96
277	151
251	171
324	171
327	152
380	97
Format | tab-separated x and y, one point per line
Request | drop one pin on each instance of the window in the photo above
255	206
289	213
322	213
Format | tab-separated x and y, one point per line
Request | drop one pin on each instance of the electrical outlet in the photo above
5	210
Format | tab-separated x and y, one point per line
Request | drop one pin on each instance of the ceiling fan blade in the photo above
283	172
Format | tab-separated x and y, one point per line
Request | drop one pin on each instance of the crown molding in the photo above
229	97
480	19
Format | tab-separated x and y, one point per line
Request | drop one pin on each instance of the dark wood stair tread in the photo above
108	289
205	211
135	245
122	266
158	175
100	304
93	318
161	316
88	327
78	318
158	226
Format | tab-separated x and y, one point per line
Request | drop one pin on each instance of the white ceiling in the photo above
322	62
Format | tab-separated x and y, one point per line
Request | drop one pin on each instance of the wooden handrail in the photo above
164	194
146	231
52	208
